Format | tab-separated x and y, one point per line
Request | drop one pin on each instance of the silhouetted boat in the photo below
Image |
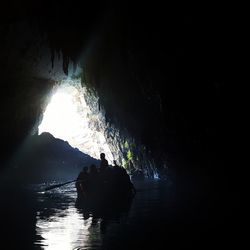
105	199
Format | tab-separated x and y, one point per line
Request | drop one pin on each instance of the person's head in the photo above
85	169
92	168
116	166
102	156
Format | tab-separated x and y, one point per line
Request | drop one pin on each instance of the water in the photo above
61	225
160	216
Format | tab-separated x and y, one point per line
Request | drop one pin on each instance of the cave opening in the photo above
68	117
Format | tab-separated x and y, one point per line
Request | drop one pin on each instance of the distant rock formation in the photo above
46	158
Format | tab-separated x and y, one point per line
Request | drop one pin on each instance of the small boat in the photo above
105	196
107	188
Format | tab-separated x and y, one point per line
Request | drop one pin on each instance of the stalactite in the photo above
52	57
65	64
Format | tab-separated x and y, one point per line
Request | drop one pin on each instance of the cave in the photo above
143	83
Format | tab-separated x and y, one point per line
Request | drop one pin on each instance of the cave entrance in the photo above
68	117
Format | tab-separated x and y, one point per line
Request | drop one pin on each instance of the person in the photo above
81	183
104	163
105	175
93	181
122	180
93	170
104	169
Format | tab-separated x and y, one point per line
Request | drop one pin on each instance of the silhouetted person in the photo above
117	170
105	175
93	173
104	169
93	181
115	164
122	183
81	183
104	163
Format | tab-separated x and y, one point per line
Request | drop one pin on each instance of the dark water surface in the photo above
161	216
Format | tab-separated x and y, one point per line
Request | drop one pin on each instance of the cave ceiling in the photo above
158	72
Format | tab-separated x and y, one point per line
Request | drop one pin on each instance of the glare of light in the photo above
64	231
69	118
61	118
156	176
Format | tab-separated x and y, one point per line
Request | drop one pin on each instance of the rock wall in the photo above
32	72
160	80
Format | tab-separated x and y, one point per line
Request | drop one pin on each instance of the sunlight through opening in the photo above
69	118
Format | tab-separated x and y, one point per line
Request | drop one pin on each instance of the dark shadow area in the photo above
18	217
160	73
188	216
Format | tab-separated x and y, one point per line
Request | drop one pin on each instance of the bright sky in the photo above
67	117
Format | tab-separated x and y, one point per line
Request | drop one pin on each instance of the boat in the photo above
106	195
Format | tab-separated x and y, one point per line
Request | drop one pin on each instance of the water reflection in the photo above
160	215
65	230
62	223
